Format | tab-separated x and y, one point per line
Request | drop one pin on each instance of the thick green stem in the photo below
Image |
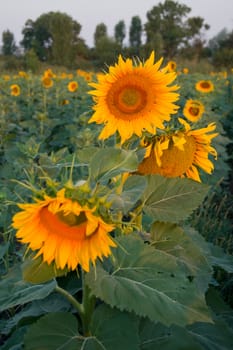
88	303
71	299
85	309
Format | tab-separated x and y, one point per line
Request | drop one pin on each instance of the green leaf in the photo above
52	303
150	283
54	331
114	329
157	336
172	199
215	254
131	193
110	162
3	249
15	341
213	336
14	291
37	271
198	336
174	240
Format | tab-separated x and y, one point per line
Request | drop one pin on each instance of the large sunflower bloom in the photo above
193	110
63	231
180	154
204	86
133	98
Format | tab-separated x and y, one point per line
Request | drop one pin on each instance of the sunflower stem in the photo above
88	302
71	299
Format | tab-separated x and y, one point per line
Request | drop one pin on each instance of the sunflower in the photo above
132	98
47	82
171	66
193	110
72	86
204	86
181	153
63	231
15	90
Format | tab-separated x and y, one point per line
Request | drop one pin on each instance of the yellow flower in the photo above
171	66
47	82
181	153
204	86
23	74
48	73
133	98
65	102
193	110
185	70
15	90
72	86
63	231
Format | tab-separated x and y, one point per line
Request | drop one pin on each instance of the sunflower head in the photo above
204	86
181	153
63	232
15	90
193	110
133	97
171	66
47	82
72	86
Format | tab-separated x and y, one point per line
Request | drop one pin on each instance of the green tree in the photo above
106	51
8	43
120	32
135	34
169	19
54	37
100	32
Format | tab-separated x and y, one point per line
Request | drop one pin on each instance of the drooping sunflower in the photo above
63	231
15	90
181	153
132	98
193	110
204	86
72	86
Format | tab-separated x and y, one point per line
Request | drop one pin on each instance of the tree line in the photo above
54	37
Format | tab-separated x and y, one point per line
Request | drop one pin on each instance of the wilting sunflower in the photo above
171	66
193	110
15	90
47	82
63	231
72	86
181	153
132	98
204	86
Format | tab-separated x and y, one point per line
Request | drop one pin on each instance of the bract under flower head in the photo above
133	98
64	232
181	153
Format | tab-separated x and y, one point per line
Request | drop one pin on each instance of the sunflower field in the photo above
116	210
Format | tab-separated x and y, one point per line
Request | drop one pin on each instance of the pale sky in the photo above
89	13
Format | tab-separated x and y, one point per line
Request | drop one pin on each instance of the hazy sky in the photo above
14	13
